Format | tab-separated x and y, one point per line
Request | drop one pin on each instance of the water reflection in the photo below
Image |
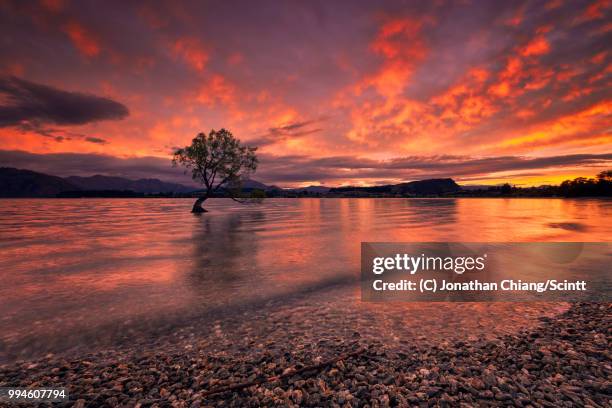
223	251
69	268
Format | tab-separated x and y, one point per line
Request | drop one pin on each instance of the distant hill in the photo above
312	189
431	187
26	183
252	185
150	186
428	187
473	187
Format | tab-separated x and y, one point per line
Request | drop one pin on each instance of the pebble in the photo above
564	362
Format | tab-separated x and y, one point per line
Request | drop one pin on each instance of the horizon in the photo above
198	186
357	93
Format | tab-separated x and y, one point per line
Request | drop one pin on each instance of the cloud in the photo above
217	90
287	131
420	78
595	10
96	140
537	46
82	39
28	102
192	52
290	128
294	169
340	169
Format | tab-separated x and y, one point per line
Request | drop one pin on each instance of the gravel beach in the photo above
562	360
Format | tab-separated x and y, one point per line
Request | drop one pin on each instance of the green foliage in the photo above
217	160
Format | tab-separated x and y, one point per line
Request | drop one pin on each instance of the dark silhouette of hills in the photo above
431	187
26	183
313	189
256	185
149	186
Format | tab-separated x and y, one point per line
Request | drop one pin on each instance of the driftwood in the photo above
287	373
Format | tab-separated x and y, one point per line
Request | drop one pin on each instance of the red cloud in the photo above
218	89
399	38
399	42
192	52
595	9
82	39
538	46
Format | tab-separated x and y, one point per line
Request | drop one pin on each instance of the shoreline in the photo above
563	362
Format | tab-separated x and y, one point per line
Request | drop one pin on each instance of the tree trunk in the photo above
197	206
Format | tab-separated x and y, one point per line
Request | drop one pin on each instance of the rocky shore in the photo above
563	361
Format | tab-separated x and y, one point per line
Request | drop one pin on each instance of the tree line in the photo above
600	186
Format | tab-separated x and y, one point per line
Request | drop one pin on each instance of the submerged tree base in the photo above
197	206
198	210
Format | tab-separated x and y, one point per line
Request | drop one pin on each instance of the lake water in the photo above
76	268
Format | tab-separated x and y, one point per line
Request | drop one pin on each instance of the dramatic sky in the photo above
332	92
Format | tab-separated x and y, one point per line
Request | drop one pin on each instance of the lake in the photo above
80	271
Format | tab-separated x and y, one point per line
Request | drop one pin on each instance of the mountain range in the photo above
429	187
27	183
99	182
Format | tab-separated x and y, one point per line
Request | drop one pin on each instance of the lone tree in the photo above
219	161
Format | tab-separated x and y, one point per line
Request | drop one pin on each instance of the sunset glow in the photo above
332	93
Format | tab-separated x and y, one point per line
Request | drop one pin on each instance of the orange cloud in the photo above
586	128
397	86
464	104
192	52
577	92
390	40
82	39
537	46
216	90
399	42
525	113
538	77
474	100
501	89
520	69
567	73
601	75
